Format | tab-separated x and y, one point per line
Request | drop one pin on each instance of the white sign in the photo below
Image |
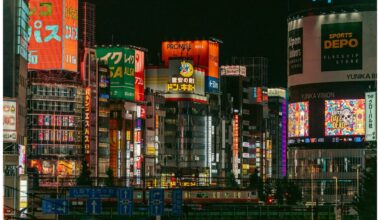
370	117
9	114
233	71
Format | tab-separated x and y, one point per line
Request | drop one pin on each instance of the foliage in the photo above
231	181
287	191
256	183
109	179
365	203
84	178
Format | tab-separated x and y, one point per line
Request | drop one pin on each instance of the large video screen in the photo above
298	124
344	117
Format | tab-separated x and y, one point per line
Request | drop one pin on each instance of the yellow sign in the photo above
150	150
186	69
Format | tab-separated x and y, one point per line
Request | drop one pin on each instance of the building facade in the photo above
326	123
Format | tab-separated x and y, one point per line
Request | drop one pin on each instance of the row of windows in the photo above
52	106
53	91
48	150
326	165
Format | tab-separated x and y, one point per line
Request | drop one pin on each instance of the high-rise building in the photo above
331	66
189	81
15	56
55	95
276	126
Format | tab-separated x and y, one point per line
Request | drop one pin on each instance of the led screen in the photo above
344	117
298	124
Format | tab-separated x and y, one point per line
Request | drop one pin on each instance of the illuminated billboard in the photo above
345	117
235	145
9	121
332	48
233	71
121	63
204	53
53	35
298	121
139	76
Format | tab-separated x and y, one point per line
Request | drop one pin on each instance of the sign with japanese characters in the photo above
53	35
183	80
370	119
121	63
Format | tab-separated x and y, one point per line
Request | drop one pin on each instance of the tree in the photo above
231	181
256	183
84	177
293	193
109	180
280	193
365	203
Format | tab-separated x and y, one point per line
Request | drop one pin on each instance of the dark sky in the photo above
247	28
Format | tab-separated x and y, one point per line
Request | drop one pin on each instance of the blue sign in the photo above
156	202
177	201
55	206
125	204
92	192
212	84
94	206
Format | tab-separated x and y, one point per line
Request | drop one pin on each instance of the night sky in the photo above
247	28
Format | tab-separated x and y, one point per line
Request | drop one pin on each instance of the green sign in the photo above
129	73
341	46
122	74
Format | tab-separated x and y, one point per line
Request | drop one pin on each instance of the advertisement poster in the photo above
121	63
298	122
139	76
22	158
370	118
341	46
295	51
48	167
344	117
9	115
53	35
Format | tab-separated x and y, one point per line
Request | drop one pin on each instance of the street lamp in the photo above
336	194
312	191
357	167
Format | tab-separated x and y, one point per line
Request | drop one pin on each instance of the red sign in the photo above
87	123
139	75
204	54
54	34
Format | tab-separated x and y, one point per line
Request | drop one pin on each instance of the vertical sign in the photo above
156	202
295	51
87	123
177	201
235	145
129	73
22	29
70	35
370	119
9	121
21	159
139	75
283	136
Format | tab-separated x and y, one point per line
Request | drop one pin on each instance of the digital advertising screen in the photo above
345	117
298	121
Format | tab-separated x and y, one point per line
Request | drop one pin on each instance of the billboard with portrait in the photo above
53	35
338	47
345	117
298	119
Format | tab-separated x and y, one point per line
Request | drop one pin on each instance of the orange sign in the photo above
204	54
53	38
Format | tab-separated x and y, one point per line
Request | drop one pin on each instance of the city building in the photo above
121	116
15	61
328	121
189	81
276	126
244	104
54	95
